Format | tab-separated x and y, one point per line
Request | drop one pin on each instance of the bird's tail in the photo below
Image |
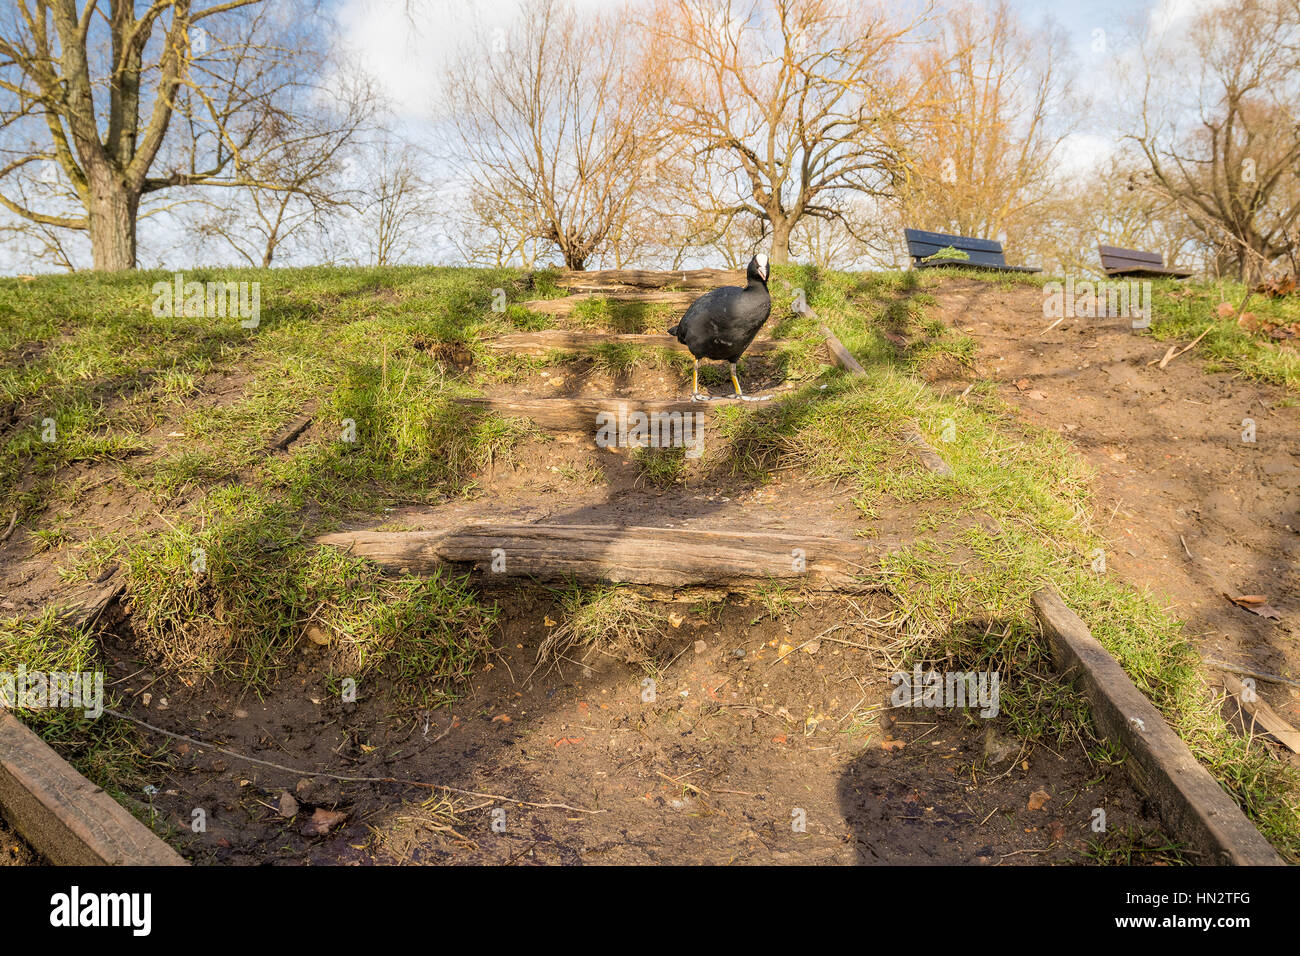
673	331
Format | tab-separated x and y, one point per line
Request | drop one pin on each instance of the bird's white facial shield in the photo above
762	265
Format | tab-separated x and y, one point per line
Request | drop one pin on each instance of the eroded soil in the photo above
1194	511
767	739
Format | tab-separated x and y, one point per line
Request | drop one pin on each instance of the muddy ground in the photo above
1193	510
766	740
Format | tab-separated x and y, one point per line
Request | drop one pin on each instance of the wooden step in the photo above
599	280
564	306
579	414
65	817
538	343
657	557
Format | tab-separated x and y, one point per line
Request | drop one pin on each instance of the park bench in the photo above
1126	263
981	253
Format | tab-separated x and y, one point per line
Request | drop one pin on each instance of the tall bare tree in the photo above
131	98
984	149
553	125
795	105
1220	129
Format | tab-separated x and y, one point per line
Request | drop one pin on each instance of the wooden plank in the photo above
1263	715
579	414
86	611
657	557
538	343
925	451
598	280
1145	271
567	304
1131	256
62	815
842	356
1191	803
941	240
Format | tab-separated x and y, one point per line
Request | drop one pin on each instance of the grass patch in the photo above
611	620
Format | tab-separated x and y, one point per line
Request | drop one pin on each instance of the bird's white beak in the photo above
763	267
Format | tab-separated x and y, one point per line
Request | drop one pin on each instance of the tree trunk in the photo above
780	253
112	211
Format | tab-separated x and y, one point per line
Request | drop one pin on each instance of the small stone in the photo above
288	805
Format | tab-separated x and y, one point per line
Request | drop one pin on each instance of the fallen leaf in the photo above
502	718
322	821
1038	798
1256	604
675	620
1035	395
892	744
288	805
1224	310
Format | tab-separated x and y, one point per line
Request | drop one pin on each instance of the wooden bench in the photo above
983	253
1133	262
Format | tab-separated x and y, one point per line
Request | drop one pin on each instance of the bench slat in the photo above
940	240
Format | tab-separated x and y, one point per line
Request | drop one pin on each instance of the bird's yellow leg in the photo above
695	379
736	382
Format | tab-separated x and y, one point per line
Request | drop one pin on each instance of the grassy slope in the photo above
380	347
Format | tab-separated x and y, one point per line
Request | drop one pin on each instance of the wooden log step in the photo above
1194	807
580	414
564	306
657	557
538	343
65	817
598	280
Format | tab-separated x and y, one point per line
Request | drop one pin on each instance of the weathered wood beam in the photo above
538	343
1190	802
580	414
597	280
658	557
565	305
62	815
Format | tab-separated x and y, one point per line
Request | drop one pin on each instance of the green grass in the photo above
181	411
377	358
603	620
105	750
1183	311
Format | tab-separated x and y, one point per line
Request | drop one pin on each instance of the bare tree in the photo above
1221	131
302	186
111	92
983	152
795	105
553	127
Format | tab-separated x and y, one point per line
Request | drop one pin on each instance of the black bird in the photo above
720	324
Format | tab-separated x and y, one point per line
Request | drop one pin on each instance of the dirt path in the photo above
1193	511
